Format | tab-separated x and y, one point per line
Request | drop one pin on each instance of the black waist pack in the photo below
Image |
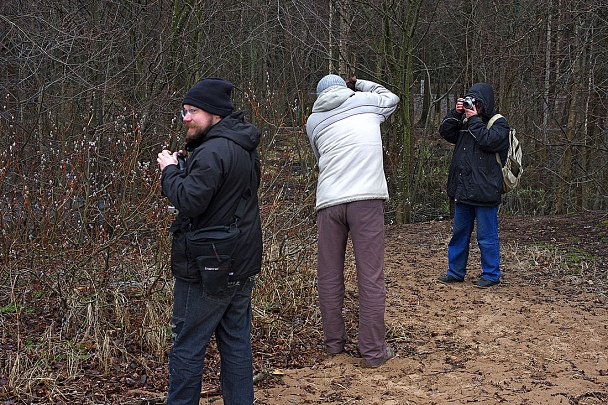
213	248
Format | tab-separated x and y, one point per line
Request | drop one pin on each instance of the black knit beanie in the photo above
212	95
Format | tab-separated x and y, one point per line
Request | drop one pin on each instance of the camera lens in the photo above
468	103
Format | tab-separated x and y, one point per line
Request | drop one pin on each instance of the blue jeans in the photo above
196	317
487	240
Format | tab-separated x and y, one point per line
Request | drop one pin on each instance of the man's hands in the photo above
166	158
350	83
460	109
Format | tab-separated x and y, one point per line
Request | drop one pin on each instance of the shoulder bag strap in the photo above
490	123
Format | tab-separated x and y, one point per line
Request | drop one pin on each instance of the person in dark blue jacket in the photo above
221	173
475	182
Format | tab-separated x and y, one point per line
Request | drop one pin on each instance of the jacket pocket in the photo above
483	187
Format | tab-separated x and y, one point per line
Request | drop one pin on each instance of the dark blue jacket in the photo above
475	177
217	173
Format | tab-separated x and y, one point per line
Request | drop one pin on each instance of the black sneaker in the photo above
485	283
449	279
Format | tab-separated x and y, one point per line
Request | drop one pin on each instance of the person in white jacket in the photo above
344	132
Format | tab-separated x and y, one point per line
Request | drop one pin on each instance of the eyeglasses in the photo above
190	111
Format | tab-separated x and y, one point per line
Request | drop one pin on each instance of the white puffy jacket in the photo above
344	131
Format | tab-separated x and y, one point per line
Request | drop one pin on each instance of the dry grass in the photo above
99	304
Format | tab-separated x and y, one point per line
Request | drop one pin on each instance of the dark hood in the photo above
484	93
232	127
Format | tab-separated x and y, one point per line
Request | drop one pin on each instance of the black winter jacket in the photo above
475	177
217	173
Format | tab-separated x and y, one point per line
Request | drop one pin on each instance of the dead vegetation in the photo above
109	346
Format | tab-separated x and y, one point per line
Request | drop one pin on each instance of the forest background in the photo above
91	92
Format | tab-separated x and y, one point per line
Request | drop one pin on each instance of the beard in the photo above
195	132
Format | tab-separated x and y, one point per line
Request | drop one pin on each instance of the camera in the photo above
468	102
181	163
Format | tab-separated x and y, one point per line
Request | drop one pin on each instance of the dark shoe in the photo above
449	279
485	283
389	354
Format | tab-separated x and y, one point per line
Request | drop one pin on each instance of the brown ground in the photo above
540	337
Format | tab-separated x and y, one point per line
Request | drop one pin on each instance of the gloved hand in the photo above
350	83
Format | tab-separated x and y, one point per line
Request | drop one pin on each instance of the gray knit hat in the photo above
328	81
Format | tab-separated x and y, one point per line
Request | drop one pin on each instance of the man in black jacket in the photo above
475	182
221	171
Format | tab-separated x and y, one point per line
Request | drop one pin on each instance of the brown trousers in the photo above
365	222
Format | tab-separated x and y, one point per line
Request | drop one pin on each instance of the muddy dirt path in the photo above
540	337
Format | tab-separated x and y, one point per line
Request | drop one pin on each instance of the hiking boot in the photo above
389	354
449	279
485	283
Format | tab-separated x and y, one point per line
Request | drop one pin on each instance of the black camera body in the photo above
181	163
468	102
